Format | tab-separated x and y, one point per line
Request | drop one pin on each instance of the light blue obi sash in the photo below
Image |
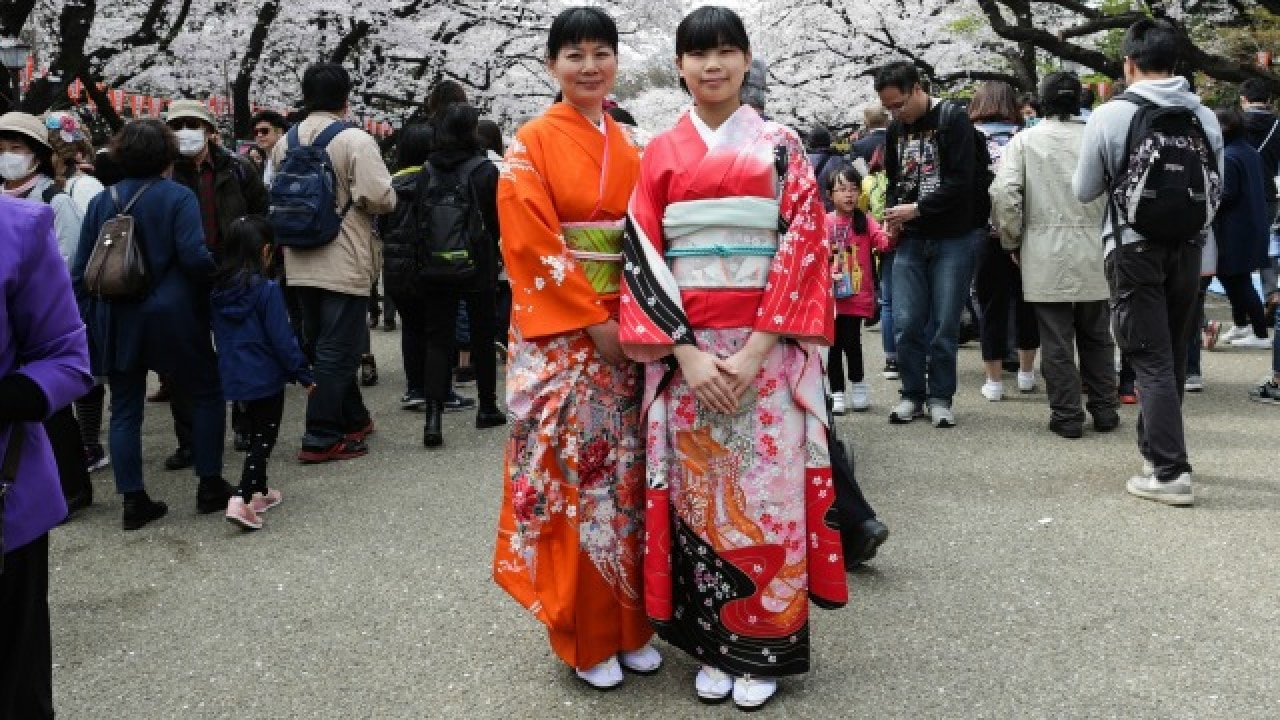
721	243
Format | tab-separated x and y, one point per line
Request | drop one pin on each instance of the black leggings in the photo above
848	345
260	422
1245	301
998	285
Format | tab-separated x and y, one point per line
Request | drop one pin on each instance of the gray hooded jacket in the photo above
1102	149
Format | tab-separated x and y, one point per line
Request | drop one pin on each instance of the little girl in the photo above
257	354
853	234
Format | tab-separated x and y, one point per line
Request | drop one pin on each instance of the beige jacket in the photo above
351	263
1035	211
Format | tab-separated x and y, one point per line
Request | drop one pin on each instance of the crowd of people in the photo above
680	319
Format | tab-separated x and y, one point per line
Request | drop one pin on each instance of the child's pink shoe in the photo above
242	514
263	502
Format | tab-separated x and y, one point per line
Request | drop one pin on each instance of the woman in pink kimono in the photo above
727	298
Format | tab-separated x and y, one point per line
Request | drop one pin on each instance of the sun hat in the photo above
21	123
190	109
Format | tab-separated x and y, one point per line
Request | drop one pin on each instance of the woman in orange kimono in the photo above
569	542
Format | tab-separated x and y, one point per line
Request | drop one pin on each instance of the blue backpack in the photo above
304	193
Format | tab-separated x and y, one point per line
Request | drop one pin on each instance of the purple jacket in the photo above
42	337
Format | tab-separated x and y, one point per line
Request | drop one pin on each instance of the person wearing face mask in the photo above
32	172
228	186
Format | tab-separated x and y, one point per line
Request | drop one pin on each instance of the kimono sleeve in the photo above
652	320
550	293
797	300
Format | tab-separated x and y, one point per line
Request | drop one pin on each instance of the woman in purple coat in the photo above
44	366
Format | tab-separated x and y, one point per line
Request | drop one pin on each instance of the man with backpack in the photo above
228	187
932	162
1262	127
330	181
1155	152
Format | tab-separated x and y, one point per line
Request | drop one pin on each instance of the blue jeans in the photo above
208	423
931	278
886	307
335	322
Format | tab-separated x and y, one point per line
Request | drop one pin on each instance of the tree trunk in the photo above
240	88
73	30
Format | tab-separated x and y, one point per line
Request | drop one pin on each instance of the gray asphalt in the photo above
1020	581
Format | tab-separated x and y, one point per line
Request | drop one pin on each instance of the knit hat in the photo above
30	126
190	109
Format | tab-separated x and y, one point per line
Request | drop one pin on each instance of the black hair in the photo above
241	251
105	168
1060	95
711	26
1152	45
1231	118
326	87
620	115
490	136
581	24
444	93
42	153
144	148
414	145
1255	90
849	174
901	74
1087	98
1029	99
455	128
271	117
819	137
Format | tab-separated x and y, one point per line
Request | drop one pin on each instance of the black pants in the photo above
435	316
1245	303
998	284
848	346
26	647
335	323
1068	328
68	453
1153	303
413	349
260	422
503	328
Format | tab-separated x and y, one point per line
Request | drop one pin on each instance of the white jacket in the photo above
1036	212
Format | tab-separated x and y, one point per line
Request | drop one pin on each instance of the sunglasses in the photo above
186	124
263	130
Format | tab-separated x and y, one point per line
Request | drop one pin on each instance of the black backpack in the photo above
449	223
983	165
1170	187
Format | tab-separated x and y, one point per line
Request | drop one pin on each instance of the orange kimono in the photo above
570	533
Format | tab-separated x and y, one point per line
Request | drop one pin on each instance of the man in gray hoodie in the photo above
1153	286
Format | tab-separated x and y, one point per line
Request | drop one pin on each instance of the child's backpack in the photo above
304	206
1170	188
449	223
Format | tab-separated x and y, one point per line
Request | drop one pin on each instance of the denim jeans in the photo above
886	307
208	422
931	278
336	324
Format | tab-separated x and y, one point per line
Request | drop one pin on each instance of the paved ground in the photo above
1020	582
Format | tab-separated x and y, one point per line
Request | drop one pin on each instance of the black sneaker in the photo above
413	400
1267	392
890	369
1106	421
457	402
368	371
140	511
464	376
179	460
212	495
1070	429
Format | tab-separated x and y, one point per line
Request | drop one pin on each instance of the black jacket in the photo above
237	187
1262	128
937	173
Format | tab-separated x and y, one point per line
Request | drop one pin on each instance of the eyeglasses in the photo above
897	107
263	130
186	124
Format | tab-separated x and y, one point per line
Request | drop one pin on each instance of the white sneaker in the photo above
904	412
1236	332
1148	469
1251	341
605	676
645	661
837	403
859	396
751	693
1026	381
993	390
941	416
1175	492
712	685
1195	383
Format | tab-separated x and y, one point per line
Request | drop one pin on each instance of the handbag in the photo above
9	474
117	268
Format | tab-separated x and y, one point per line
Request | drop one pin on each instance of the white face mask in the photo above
190	142
16	166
